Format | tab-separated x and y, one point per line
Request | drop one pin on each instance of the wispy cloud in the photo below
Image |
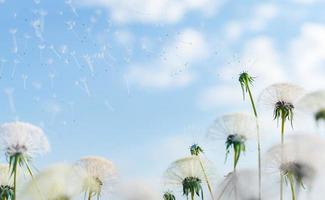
165	11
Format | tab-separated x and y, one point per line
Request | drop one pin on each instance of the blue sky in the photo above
139	82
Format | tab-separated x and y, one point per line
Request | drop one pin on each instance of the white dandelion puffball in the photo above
298	156
101	174
188	167
313	102
280	92
23	138
5	175
234	124
234	186
56	182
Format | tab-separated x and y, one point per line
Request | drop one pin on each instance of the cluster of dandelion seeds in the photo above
101	176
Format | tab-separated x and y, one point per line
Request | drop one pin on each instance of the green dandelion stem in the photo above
15	183
206	179
252	100
89	195
245	80
292	187
283	118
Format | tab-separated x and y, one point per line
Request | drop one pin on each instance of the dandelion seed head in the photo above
187	171
235	126
298	158
23	138
58	182
314	103
101	174
280	94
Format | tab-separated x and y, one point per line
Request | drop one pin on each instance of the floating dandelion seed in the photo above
16	62
6	186
314	103
73	55
59	182
42	13
85	86
22	142
101	176
236	129
37	24
89	64
41	48
52	76
246	81
196	150
55	51
15	46
186	174
2	62
24	77
10	96
297	160
169	196
71	27
73	9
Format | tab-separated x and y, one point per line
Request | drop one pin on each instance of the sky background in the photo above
139	81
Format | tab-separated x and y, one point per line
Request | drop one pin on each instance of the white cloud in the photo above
307	55
264	13
260	58
302	62
173	67
306	1
260	17
166	11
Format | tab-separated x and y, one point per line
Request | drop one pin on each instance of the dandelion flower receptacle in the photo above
101	176
235	129
21	143
246	81
186	175
169	196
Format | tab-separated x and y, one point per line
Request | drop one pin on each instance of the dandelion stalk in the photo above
245	81
196	150
283	111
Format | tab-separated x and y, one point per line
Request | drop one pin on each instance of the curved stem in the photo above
206	179
258	145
